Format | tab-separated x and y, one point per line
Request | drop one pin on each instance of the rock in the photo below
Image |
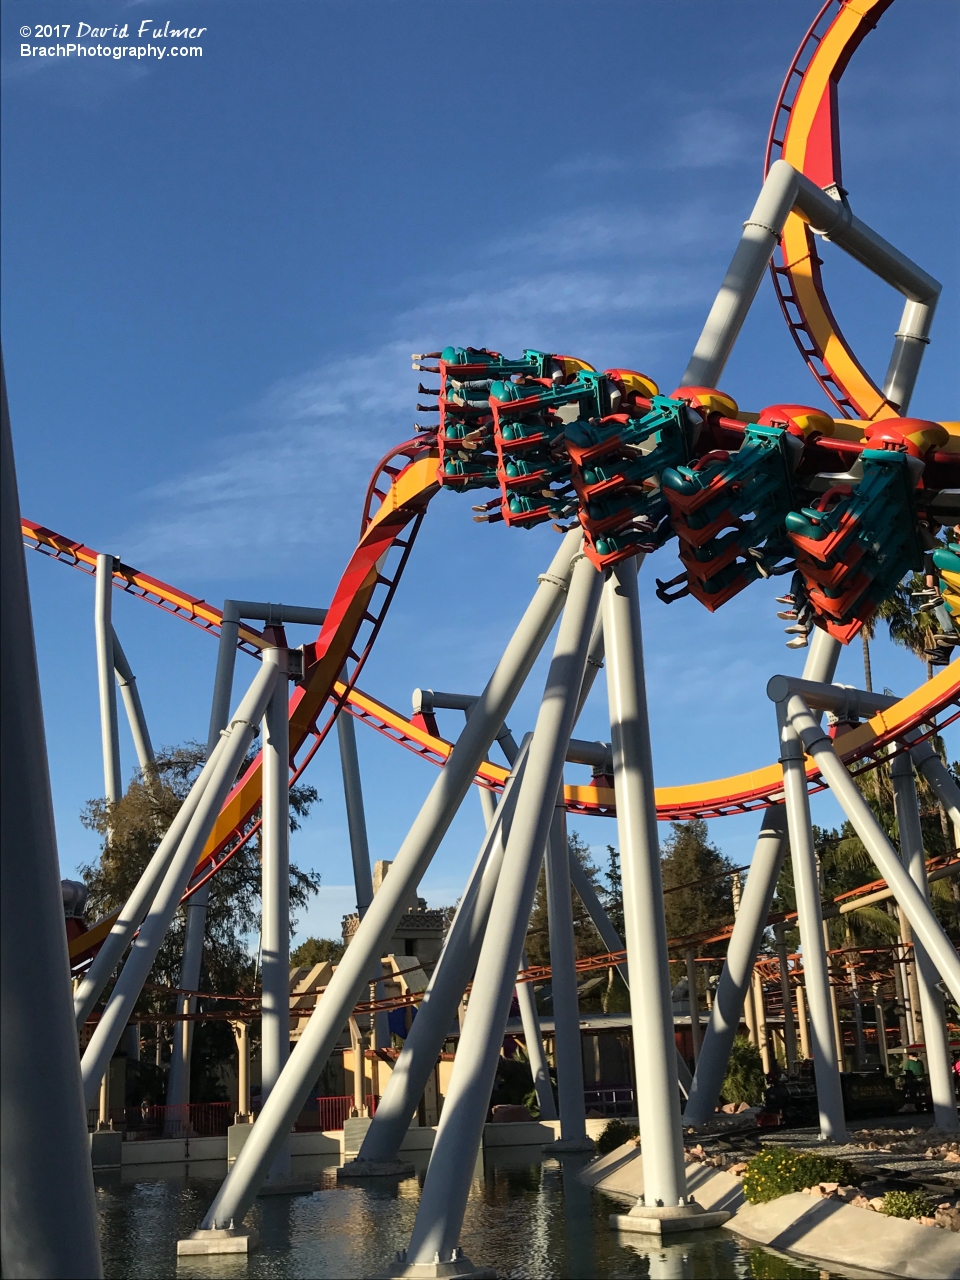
861	1202
829	1186
737	1170
949	1219
952	1157
743	1106
928	1222
876	1203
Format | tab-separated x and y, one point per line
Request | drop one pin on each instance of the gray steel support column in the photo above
783	190
360	848
911	900
939	1058
223	679
693	1002
134	708
735	976
909	344
109	726
356	819
48	1214
275	893
658	1099
940	779
178	1080
568	1053
789	1027
225	764
533	1039
880	1016
454	781
810	919
450	976
439	1218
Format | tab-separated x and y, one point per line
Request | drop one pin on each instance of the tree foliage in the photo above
137	823
317	950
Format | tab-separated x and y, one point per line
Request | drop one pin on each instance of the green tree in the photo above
317	950
586	938
136	824
696	884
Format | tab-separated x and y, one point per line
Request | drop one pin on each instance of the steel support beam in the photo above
936	1040
48	1213
816	974
783	191
275	892
454	781
911	900
452	973
568	1053
735	976
436	1231
109	726
134	708
658	1097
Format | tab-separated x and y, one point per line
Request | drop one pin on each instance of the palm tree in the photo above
913	631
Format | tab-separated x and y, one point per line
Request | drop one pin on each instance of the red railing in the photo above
191	1120
333	1111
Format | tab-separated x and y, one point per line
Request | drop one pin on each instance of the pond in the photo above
525	1217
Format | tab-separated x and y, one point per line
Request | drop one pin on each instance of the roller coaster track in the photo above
393	526
805	132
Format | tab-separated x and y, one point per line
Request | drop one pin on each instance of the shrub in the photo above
777	1171
907	1204
744	1081
614	1135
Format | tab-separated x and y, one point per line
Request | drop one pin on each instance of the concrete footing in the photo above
459	1266
287	1187
375	1169
657	1220
218	1240
569	1146
106	1148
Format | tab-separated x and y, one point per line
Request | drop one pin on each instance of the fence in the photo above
191	1120
333	1111
615	1101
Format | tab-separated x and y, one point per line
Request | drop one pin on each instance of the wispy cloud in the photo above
598	283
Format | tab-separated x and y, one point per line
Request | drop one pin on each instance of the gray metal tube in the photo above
816	974
751	920
278	614
178	1080
939	1058
760	234
109	726
925	925
789	1026
533	1039
693	1002
48	1214
223	679
784	190
134	708
658	1099
909	344
136	906
226	763
568	1053
356	820
450	976
454	781
940	779
275	891
450	1172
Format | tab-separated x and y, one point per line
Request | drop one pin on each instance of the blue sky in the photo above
214	271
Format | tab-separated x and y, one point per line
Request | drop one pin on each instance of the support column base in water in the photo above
459	1266
662	1219
568	1146
288	1187
375	1169
219	1240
